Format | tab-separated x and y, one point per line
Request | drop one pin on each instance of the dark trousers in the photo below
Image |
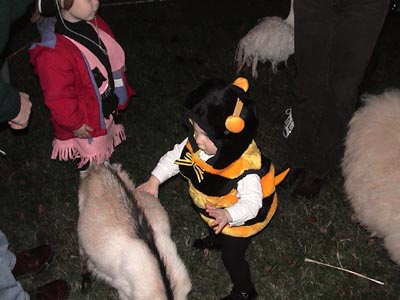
334	41
233	252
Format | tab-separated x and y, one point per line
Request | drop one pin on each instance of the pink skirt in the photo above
96	150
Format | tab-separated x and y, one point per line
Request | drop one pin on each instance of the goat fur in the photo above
272	39
371	167
121	230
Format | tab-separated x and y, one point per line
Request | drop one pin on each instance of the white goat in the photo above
124	238
272	39
371	167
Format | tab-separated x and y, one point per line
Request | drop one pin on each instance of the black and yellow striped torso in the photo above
218	186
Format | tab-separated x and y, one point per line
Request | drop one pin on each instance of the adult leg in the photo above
10	289
357	24
334	40
312	40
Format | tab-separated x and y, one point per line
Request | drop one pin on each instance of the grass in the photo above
171	47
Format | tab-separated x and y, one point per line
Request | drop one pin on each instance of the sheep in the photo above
124	238
371	167
272	39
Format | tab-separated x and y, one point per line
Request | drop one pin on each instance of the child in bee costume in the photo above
231	183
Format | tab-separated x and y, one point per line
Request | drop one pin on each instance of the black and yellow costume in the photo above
213	106
218	186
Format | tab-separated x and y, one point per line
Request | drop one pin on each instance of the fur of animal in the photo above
272	39
371	167
124	238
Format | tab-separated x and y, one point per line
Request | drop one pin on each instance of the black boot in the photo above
307	187
210	242
236	295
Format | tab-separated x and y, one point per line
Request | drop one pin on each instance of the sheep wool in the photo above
124	238
272	40
371	167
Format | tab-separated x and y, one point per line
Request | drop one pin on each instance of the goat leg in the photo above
86	275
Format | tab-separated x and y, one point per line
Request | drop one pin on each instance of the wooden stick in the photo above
342	269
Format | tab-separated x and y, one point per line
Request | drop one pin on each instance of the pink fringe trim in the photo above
98	151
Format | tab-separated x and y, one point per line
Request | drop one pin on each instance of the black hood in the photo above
209	106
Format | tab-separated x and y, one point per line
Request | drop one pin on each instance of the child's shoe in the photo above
210	242
235	295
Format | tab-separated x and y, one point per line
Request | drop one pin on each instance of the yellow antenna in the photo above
234	123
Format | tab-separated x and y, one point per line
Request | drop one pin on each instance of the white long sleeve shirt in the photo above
249	191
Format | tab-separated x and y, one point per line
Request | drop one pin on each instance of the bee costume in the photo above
228	117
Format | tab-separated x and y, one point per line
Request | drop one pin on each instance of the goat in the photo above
371	167
124	238
272	39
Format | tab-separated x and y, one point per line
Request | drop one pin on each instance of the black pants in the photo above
233	252
334	41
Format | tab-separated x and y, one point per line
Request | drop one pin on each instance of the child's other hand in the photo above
150	186
83	132
222	217
22	119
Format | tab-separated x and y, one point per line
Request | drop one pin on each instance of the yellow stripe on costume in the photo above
200	199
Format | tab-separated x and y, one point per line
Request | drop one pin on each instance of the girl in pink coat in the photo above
81	71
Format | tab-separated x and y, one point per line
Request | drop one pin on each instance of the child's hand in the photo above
150	186
83	132
222	217
22	119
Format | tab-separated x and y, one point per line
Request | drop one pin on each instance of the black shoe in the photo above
235	295
208	243
31	261
55	290
308	187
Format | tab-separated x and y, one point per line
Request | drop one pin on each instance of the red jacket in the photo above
67	83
